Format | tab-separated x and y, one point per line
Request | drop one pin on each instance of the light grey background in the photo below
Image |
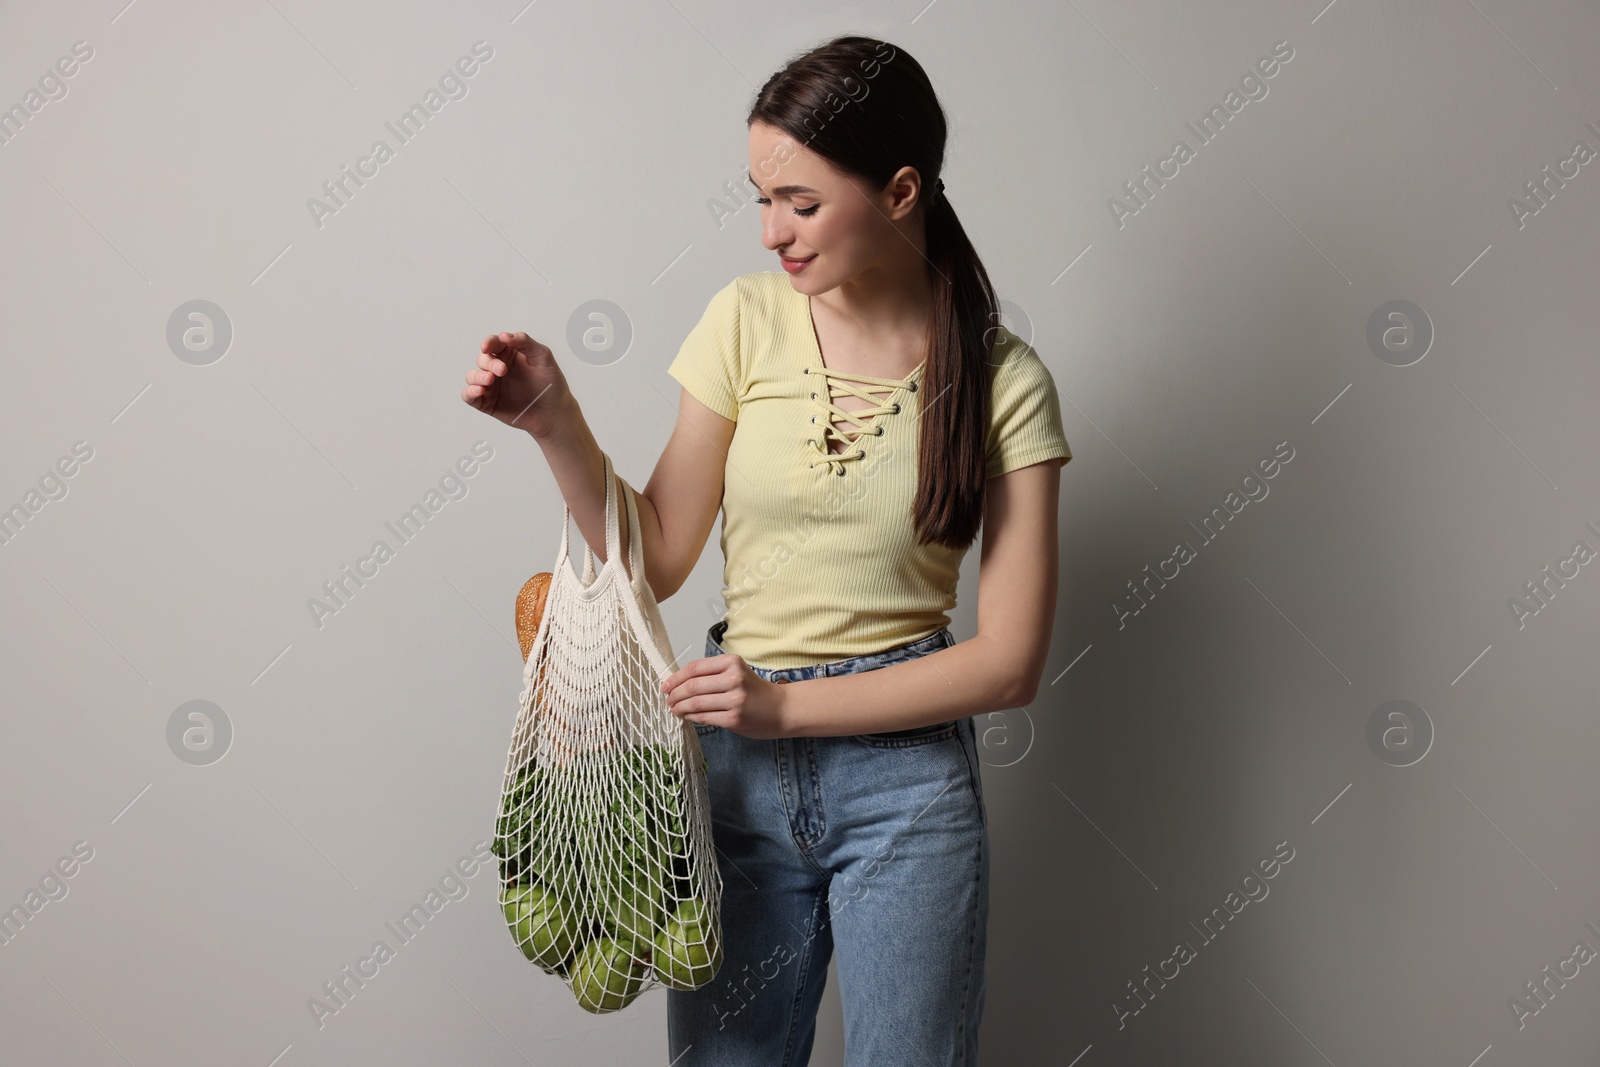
1167	754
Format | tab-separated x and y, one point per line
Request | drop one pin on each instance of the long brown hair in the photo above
869	109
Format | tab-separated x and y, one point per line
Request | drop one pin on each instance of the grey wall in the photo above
1443	847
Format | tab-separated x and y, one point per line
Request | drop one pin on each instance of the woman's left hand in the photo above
723	691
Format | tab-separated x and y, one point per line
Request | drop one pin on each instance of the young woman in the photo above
855	418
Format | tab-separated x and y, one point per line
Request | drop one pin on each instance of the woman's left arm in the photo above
995	670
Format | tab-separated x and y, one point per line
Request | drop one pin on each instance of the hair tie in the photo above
939	185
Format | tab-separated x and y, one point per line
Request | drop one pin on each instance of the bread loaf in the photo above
530	609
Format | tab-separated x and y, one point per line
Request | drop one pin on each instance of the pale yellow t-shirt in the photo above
821	555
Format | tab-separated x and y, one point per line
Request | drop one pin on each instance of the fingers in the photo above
706	703
499	342
694	669
499	351
479	382
496	342
497	361
495	356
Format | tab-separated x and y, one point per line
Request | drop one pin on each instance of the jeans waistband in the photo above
940	638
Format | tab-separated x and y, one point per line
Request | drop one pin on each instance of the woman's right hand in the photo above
517	381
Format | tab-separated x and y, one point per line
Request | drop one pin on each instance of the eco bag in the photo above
608	873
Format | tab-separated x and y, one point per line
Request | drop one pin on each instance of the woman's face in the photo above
818	220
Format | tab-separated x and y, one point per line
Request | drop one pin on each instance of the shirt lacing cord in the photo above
857	385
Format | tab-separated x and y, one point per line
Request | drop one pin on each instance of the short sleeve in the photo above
708	363
1025	416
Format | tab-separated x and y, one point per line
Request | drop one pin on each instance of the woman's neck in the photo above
876	323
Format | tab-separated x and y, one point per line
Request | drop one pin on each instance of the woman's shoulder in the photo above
763	304
1014	363
1024	408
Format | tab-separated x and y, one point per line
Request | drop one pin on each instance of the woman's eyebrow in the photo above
783	190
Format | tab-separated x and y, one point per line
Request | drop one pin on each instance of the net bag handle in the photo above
635	543
613	532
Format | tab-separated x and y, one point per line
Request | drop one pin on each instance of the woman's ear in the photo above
903	192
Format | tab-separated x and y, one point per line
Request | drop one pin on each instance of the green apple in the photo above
514	893
606	976
688	952
632	909
544	926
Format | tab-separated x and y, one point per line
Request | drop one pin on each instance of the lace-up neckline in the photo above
837	384
832	384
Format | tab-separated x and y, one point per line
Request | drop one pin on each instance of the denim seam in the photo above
816	793
972	937
973	771
784	778
967	1005
800	981
910	742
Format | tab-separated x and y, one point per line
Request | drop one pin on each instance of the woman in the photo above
854	419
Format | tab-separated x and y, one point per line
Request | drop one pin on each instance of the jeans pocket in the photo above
703	728
917	735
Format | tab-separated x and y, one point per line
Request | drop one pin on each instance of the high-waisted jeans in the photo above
872	848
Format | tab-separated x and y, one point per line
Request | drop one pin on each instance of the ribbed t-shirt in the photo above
821	560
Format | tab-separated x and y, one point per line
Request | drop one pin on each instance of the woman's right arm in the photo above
517	381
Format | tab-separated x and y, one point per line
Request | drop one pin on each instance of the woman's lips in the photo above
795	266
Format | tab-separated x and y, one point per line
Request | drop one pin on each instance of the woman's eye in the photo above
802	211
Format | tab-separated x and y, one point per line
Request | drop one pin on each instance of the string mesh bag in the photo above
608	873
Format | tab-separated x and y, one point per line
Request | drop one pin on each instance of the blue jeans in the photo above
870	847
